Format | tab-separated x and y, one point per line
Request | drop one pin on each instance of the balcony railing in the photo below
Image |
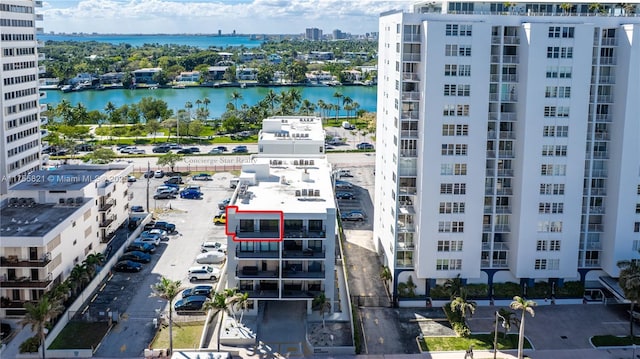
106	223
409	133
591	263
505	173
302	274
105	207
602	98
408	153
303	253
25	282
14	261
601	154
507	135
407	190
595	228
411	38
257	254
603	79
511	40
299	293
410	76
411	95
253	272
261	293
304	233
410	115
257	234
593	209
607	60
603	118
595	191
609	41
411	56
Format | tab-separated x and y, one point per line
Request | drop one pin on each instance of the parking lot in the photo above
129	294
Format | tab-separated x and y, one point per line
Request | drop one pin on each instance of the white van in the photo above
347	126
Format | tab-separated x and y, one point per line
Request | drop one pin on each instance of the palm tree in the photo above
235	96
188	105
595	7
307	107
218	302
463	306
323	304
338	95
508	318
386	276
78	276
167	289
454	286
526	306
272	99
92	261
206	103
566	7
346	103
39	314
242	301
629	280
295	97
198	103
323	107
110	108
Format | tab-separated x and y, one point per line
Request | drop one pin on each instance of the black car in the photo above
136	256
185	151
161	149
222	148
192	304
127	266
174	180
345	195
140	247
137	209
148	174
205	290
169	227
240	149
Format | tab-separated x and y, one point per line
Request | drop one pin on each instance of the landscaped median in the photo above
604	341
185	335
478	341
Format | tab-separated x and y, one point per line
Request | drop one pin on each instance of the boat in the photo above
66	88
243	85
153	87
178	87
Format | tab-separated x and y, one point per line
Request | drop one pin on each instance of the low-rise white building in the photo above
292	135
51	221
281	224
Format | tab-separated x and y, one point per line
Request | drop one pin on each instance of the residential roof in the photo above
288	128
36	221
60	179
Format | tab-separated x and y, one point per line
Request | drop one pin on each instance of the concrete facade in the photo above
506	143
291	135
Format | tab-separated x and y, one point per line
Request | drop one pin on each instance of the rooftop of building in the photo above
60	179
30	219
288	128
293	184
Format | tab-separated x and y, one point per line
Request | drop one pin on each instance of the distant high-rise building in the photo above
19	103
313	34
338	35
518	159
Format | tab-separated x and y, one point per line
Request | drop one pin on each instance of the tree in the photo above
386	276
196	127
322	304
39	314
78	276
629	280
595	7
526	306
463	306
110	109
220	303
153	126
188	106
566	7
242	302
235	96
101	155
307	107
338	95
508	318
206	102
167	289
454	286
92	261
169	159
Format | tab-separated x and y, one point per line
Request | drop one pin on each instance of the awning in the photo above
614	287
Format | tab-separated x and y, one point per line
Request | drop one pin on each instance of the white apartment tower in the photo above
507	141
19	103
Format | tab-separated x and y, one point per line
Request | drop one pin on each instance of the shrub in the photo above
539	290
407	289
506	290
30	345
439	292
573	289
457	321
476	290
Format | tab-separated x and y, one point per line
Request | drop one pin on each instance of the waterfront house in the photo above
247	74
145	76
188	76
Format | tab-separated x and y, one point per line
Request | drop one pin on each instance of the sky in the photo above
209	16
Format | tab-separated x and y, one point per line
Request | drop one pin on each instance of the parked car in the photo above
158	174
190	194
137	151
148	238
222	148
161	149
223	204
160	232
194	149
148	174
174	180
169	227
344	173
345	195
137	209
202	177
128	149
343	185
240	149
205	290
213	257
127	266
84	147
220	219
364	146
141	247
136	256
203	273
184	151
174	146
172	189
131	179
213	246
191	304
165	194
215	151
353	217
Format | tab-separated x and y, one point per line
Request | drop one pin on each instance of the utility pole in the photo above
148	180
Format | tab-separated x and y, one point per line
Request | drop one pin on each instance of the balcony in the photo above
410	76
603	136
495	40
299	293
303	253
39	43
511	40
408	153
595	228
505	173
407	190
602	98
302	274
501	228
40	30
43	95
106	187
505	154
410	115
411	38
261	294
603	118
406	208
596	173
304	233
601	154
607	60
107	222
507	135
258	234
257	254
411	56
253	272
16	304
504	116
411	95
41	57
497	246
591	263
40	17
595	191
406	227
609	41
603	79
15	262
409	133
505	191
25	282
593	209
106	206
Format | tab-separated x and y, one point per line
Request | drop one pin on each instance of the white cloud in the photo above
253	16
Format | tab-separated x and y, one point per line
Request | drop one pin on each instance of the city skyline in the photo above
205	16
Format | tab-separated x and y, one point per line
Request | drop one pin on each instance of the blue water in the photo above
219	97
200	41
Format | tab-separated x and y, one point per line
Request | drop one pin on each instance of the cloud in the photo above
248	16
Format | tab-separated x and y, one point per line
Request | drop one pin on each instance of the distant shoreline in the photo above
217	85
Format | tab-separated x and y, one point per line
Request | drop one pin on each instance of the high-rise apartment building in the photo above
507	142
19	103
313	34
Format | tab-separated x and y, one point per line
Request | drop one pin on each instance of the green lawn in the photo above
80	335
185	336
613	341
479	342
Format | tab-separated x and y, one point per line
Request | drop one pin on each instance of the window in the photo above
555	52
464	50
566	32
451	50
448	264
554	245
550	111
451	227
451	207
460	169
449	246
451	30
549	131
541	264
637	208
450	70
453	188
541	245
552	189
554	31
557	91
554	150
550	207
450	90
550	226
636	227
449	110
455	130
553	264
563	111
562	131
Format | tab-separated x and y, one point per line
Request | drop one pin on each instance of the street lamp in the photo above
495	333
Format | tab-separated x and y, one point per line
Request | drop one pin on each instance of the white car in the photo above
213	257
203	273
213	246
166	188
161	232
